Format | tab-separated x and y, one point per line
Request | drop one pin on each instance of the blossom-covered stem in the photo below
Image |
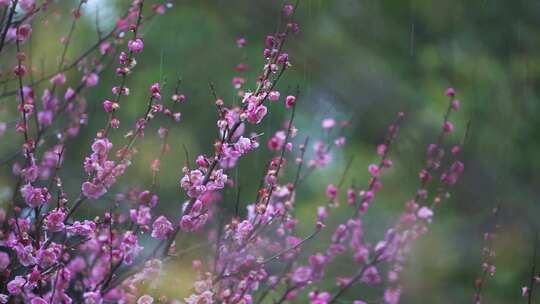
487	254
280	48
429	169
386	147
122	156
280	163
27	146
8	23
21	93
444	188
129	60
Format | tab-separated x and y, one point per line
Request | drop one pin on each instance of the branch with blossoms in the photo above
52	253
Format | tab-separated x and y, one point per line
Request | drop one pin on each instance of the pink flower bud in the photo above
91	80
273	96
455	104
455	150
241	42
58	79
290	101
373	170
381	149
331	191
136	45
269	41
70	94
328	123
448	127
109	106
287	10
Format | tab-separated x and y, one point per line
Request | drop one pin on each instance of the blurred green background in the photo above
365	59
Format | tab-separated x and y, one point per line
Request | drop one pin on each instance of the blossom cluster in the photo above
50	253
